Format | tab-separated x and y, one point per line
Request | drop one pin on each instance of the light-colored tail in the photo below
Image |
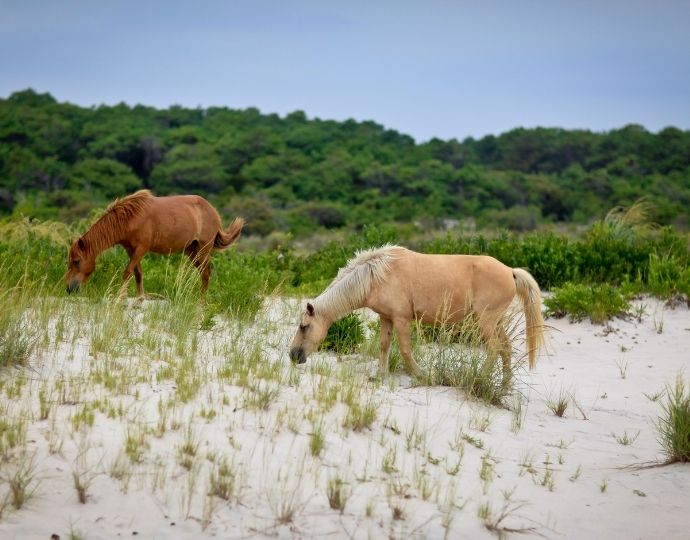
225	238
530	296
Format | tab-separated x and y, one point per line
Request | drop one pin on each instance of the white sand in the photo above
406	461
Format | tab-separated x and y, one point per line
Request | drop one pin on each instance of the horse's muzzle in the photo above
72	286
297	355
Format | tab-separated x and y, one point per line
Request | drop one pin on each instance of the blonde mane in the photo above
110	227
354	281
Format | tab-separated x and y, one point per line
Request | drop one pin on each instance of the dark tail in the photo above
225	238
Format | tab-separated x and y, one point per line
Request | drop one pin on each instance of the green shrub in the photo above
32	251
345	335
599	302
667	276
241	280
552	259
674	425
617	246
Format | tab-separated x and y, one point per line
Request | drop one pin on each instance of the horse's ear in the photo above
310	310
81	244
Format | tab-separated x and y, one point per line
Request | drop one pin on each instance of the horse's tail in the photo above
530	296
225	238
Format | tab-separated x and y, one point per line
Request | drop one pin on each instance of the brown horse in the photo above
141	223
401	285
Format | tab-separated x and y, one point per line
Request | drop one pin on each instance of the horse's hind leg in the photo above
496	342
488	326
386	332
201	258
505	350
205	270
402	328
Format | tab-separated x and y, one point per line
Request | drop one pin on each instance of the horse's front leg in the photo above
134	266
139	279
402	328
386	333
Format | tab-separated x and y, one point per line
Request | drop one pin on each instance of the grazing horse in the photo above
141	223
401	285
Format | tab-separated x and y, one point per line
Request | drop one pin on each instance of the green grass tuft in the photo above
674	424
345	335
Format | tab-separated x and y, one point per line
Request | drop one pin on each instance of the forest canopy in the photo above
298	174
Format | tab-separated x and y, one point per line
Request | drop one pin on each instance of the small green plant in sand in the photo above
136	444
345	335
338	492
223	480
518	412
361	416
474	441
316	438
558	402
83	475
21	479
187	451
494	521
625	439
674	423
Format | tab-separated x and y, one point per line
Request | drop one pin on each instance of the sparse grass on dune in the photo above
227	403
674	423
455	355
195	406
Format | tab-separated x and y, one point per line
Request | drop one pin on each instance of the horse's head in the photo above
80	265
313	327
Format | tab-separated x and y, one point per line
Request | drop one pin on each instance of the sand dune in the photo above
235	459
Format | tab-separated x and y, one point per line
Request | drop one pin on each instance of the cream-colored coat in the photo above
402	285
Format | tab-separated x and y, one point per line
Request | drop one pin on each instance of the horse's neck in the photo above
334	309
103	235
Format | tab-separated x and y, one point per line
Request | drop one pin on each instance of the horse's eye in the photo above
303	327
76	263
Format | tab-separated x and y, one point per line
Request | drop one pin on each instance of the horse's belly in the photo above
440	312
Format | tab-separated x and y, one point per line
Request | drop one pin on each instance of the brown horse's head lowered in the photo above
312	330
81	263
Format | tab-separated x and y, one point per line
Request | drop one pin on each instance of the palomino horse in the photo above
401	285
141	223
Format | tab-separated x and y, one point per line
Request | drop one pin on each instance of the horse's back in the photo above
428	284
172	223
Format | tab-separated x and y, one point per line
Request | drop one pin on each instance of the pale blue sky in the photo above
426	68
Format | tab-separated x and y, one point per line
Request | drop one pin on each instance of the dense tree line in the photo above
59	160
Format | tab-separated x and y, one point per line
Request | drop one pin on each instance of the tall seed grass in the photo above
23	322
455	355
674	424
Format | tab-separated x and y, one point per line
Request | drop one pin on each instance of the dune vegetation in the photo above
178	415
